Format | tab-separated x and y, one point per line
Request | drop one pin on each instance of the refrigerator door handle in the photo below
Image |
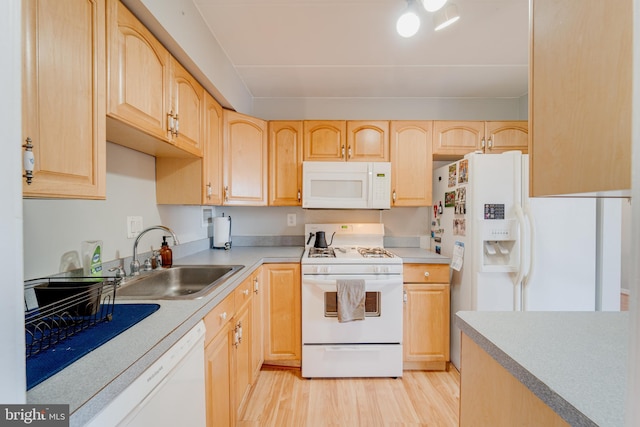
532	243
521	227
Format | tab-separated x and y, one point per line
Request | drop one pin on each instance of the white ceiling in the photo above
350	48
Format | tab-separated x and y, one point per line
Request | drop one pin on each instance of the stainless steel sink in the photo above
177	282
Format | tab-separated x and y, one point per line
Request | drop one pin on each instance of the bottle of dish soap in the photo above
92	258
166	253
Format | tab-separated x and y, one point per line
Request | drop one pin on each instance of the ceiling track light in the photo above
433	5
445	17
408	23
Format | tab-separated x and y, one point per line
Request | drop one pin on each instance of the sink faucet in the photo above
135	264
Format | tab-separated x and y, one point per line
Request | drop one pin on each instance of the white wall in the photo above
54	227
272	221
390	108
12	362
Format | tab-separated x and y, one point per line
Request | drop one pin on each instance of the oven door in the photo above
383	307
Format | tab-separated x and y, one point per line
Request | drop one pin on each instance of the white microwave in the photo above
346	185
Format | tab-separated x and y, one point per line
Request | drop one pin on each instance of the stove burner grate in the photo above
375	253
321	253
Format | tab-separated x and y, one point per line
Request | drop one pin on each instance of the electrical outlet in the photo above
134	226
291	220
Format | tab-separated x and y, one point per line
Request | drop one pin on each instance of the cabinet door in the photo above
368	141
139	74
506	136
63	97
452	140
285	163
245	160
283	340
257	325
188	106
219	380
212	154
426	324
243	372
324	140
580	94
411	163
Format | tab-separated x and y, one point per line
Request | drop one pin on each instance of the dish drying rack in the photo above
58	308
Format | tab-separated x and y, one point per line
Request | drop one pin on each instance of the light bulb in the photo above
408	24
433	5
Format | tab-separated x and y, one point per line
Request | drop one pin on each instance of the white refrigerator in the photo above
511	252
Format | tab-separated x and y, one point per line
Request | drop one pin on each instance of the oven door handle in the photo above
348	348
369	284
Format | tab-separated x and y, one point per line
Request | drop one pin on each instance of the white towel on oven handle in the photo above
351	295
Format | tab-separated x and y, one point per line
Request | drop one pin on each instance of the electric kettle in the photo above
321	241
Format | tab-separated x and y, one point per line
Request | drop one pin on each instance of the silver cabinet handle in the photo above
209	191
350	152
490	143
177	125
226	193
299	195
482	143
405	296
394	196
256	286
426	274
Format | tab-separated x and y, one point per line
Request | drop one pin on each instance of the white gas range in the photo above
353	269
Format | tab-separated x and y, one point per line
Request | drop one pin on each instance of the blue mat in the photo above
54	359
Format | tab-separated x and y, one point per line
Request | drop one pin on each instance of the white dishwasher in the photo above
169	393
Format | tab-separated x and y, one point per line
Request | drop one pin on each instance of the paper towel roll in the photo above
222	232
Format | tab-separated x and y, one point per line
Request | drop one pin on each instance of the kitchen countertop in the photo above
93	381
419	256
575	362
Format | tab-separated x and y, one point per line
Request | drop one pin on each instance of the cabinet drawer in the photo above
426	273
218	317
243	293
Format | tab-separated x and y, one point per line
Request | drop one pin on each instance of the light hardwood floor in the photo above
281	397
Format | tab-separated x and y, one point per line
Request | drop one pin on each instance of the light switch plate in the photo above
134	226
291	220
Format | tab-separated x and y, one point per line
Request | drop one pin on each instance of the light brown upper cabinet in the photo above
139	73
245	160
212	156
340	140
63	111
367	141
324	140
506	136
580	88
285	163
154	105
411	163
195	181
453	139
187	110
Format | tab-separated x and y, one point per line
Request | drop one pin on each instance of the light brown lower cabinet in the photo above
229	373
282	318
219	372
426	317
491	396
